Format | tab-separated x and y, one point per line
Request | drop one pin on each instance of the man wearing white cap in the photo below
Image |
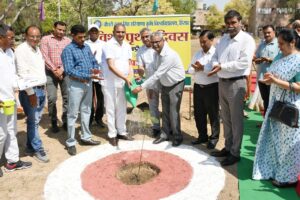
96	46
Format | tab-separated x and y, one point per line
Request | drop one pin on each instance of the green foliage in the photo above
184	6
215	18
242	6
144	7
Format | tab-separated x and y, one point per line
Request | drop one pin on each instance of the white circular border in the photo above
207	181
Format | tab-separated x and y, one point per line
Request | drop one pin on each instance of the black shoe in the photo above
113	141
1	172
222	153
211	144
155	133
54	127
125	137
72	150
160	140
230	160
90	142
100	123
65	126
284	184
199	141
176	143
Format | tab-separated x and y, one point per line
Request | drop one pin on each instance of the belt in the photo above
208	85
39	87
78	79
233	78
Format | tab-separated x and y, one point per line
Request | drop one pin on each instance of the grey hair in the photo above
117	25
145	30
159	34
3	29
296	24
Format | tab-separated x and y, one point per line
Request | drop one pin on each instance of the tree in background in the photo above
294	4
242	6
215	18
184	6
144	7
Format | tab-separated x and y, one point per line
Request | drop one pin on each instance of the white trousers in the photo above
116	106
8	140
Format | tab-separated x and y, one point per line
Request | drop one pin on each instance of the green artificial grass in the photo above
253	189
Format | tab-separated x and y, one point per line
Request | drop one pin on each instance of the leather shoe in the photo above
125	137
155	133
221	153
90	142
72	150
113	141
211	144
284	184
100	123
176	143
199	141
230	160
159	140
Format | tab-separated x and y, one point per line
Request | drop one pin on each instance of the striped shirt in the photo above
78	61
51	48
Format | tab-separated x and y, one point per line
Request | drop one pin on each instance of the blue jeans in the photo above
34	115
79	99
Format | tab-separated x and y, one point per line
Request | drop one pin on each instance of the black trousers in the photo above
97	97
265	93
206	102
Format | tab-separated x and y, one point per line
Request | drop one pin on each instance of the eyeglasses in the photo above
156	42
34	36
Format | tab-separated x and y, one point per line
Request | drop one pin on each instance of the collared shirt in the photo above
7	75
170	69
145	59
267	50
51	48
97	49
200	77
234	55
30	63
121	55
78	61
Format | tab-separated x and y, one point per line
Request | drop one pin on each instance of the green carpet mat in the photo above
250	189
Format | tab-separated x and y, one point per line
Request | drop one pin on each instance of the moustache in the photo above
230	29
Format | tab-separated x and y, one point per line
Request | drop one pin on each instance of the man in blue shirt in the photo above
81	67
265	53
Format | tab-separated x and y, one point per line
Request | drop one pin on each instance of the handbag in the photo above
285	112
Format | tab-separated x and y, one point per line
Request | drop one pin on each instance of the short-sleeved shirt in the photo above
267	50
121	55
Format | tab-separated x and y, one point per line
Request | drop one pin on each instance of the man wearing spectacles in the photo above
31	65
145	62
170	73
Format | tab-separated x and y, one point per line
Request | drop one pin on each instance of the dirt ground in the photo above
29	183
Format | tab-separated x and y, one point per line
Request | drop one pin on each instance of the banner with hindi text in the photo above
176	29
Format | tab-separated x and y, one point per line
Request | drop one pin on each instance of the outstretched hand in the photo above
137	90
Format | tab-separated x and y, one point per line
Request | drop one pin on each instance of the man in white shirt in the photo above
145	62
96	46
8	123
31	66
117	71
170	72
232	62
206	97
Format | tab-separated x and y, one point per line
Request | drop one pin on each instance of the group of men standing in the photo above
95	70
